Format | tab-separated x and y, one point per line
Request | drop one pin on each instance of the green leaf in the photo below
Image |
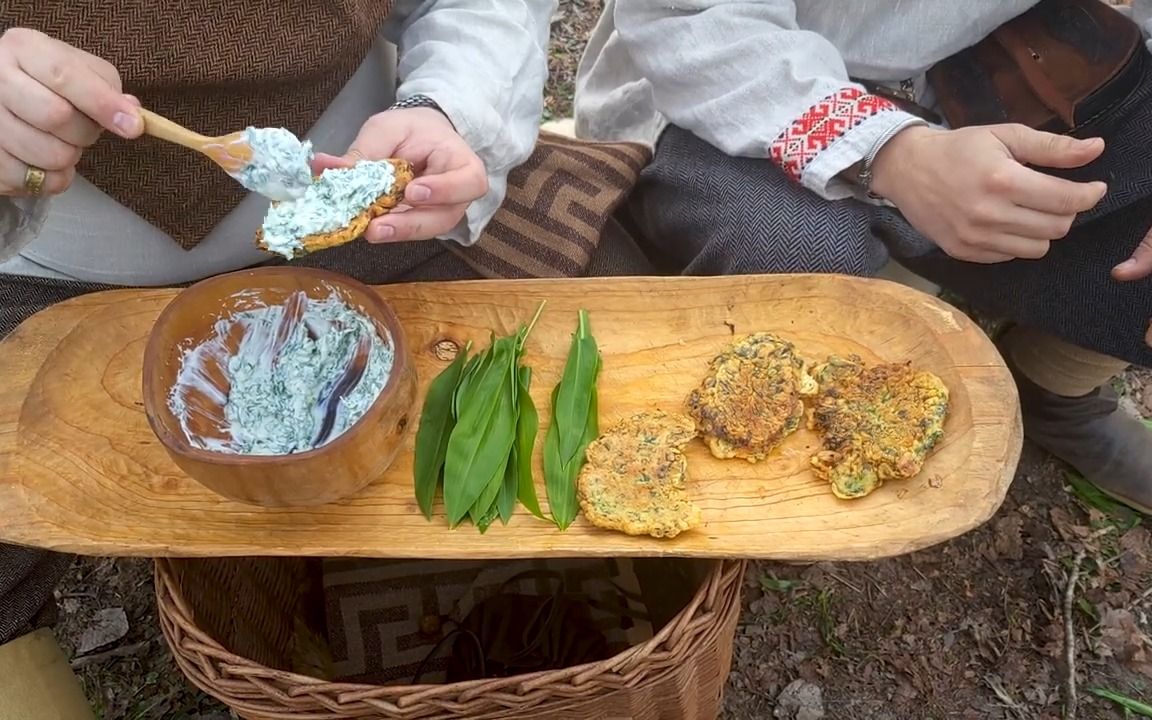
570	470
492	500
527	425
573	425
574	464
436	423
486	506
527	330
1092	496
474	366
479	445
1135	706
771	583
561	502
506	502
571	410
591	429
485	521
481	467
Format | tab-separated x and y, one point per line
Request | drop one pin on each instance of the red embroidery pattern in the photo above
821	125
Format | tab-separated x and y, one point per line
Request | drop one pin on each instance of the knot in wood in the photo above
446	349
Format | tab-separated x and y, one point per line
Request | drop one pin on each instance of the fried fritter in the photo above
404	173
633	479
878	423
751	398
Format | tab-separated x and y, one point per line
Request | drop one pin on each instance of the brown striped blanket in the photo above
557	206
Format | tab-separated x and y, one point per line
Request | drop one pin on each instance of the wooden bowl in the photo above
341	467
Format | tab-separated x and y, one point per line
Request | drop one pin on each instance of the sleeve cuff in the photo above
20	222
835	134
501	145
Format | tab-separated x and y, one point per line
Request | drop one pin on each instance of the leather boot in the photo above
1106	445
37	682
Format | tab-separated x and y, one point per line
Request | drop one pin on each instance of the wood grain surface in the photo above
81	471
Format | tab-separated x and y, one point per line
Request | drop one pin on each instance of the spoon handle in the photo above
163	128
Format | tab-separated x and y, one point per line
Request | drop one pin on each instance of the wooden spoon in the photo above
255	169
231	152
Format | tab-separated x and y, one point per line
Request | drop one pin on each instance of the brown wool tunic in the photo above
214	66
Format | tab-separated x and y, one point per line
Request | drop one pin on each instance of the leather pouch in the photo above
1053	68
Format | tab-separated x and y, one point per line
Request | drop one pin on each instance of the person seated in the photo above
87	203
814	136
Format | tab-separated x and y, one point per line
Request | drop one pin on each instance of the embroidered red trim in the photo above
821	125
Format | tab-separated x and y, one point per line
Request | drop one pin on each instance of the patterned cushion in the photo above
557	207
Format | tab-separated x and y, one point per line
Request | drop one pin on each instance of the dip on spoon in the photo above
281	165
269	161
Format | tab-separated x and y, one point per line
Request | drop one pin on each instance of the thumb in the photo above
324	161
1138	266
377	140
1050	150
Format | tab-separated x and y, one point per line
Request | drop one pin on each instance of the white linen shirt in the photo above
771	78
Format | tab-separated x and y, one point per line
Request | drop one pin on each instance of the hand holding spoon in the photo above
269	161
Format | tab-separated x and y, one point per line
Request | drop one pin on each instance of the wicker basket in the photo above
239	629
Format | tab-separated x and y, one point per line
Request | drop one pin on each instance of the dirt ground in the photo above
972	629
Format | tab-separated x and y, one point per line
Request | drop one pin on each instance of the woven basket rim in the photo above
247	686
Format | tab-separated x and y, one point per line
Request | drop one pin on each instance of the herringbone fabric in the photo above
558	204
28	577
215	67
712	214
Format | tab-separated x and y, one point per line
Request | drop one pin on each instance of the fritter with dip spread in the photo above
335	209
878	423
751	398
633	479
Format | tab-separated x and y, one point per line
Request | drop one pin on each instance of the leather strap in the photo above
1031	65
1051	68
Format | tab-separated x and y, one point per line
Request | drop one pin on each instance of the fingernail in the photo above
417	193
1126	264
383	233
127	124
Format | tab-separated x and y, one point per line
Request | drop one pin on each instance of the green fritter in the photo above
878	423
633	479
752	397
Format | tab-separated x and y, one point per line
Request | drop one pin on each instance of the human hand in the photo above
970	192
449	175
55	100
1137	267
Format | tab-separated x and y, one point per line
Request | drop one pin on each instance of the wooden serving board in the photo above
81	471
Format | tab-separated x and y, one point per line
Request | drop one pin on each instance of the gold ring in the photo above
33	180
